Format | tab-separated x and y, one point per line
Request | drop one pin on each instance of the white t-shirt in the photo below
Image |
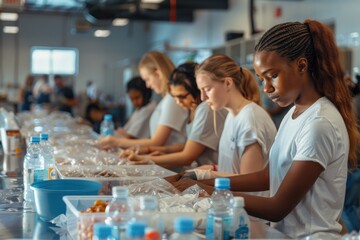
202	131
170	114
138	124
319	134
252	124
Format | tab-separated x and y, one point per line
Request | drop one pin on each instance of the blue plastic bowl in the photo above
48	195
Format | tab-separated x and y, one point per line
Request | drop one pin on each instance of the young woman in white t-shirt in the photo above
140	96
203	129
168	121
317	139
248	131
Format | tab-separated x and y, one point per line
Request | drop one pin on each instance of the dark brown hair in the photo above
314	41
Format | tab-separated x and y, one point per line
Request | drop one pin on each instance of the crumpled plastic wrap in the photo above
96	158
105	171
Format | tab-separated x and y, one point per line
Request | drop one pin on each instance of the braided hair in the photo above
316	43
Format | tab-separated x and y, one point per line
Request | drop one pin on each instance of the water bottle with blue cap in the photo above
34	169
107	126
220	214
184	229
48	154
102	231
135	230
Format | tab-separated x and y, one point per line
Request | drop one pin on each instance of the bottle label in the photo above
39	175
218	228
107	132
242	230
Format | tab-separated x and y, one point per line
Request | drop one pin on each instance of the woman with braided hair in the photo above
317	140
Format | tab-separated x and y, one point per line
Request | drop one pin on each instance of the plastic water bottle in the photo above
102	231
33	169
135	230
107	126
220	214
149	213
48	154
184	228
241	222
119	211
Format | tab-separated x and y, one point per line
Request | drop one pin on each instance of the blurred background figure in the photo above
91	91
42	92
64	98
94	115
26	98
140	96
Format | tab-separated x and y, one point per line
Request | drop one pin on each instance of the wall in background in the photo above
95	54
209	27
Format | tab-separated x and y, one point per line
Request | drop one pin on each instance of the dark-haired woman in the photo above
318	138
204	126
140	96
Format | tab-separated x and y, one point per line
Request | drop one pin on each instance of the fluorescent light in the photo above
101	33
8	16
120	21
152	1
11	29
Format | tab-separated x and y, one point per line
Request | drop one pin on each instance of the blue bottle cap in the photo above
184	225
135	229
35	139
44	136
102	230
108	117
222	183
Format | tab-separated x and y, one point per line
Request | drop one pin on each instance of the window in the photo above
45	60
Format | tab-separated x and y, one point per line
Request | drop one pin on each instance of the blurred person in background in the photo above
26	98
168	121
140	96
64	98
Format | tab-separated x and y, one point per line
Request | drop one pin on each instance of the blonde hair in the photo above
220	66
153	61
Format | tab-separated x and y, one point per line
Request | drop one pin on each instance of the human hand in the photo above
133	158
108	142
185	183
131	150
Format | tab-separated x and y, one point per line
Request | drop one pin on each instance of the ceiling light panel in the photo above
4	16
10	29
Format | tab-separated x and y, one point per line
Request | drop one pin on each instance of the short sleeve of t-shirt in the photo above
138	124
172	115
316	142
203	128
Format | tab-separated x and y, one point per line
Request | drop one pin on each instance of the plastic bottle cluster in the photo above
39	165
226	217
123	223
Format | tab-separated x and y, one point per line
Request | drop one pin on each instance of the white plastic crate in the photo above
80	225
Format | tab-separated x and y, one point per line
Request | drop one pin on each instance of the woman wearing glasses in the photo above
167	122
204	126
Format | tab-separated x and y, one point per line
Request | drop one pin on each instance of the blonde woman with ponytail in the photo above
248	130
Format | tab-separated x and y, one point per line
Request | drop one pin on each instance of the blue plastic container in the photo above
48	195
